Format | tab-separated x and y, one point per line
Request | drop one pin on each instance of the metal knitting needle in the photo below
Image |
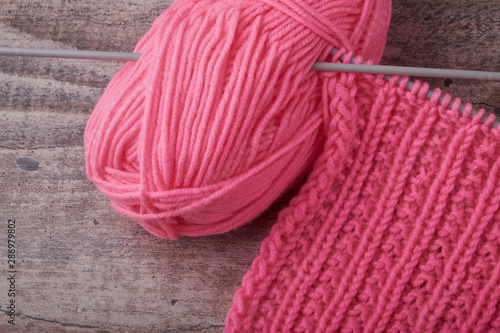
336	67
409	71
318	66
69	54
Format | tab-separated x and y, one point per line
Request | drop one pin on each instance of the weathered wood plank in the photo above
81	266
461	34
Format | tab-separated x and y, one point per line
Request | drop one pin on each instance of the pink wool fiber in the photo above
222	114
397	228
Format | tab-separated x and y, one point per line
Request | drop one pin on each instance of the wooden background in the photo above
84	268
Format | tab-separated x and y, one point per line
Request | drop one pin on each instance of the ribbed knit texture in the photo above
397	228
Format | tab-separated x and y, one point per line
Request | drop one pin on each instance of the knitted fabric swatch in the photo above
397	228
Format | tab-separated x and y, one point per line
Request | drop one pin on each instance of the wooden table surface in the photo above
80	266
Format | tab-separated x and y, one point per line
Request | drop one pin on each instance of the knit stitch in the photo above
397	228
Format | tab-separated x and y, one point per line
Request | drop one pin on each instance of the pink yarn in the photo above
397	228
221	114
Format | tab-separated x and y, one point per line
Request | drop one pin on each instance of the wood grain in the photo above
84	268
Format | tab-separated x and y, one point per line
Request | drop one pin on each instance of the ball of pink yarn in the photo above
221	114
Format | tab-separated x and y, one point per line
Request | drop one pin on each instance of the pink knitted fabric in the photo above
397	228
